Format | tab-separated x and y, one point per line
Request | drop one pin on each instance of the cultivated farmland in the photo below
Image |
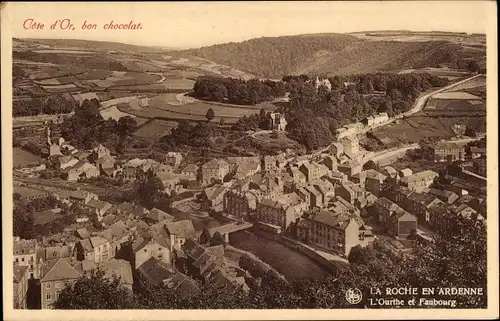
155	129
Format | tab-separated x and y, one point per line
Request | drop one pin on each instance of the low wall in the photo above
332	267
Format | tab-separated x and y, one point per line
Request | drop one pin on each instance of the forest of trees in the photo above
314	115
237	91
24	220
87	127
334	54
51	105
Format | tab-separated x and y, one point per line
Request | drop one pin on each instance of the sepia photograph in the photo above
250	156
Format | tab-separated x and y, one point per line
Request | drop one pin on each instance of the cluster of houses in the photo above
148	246
319	201
451	152
357	128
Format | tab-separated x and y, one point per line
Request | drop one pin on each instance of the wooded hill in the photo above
331	54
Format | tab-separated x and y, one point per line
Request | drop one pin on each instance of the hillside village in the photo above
324	205
174	182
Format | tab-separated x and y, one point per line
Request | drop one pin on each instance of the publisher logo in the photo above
353	296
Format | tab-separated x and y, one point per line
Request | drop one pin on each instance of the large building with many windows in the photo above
333	232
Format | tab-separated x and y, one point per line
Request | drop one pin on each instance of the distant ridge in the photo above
331	54
95	44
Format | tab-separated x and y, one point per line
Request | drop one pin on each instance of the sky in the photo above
196	24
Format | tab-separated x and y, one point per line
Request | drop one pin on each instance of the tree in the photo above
470	132
205	236
149	188
96	292
210	114
126	125
371	165
217	239
222	121
473	66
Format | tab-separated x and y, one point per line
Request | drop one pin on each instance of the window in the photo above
17	260
145	250
58	285
47	285
22	259
159	249
48	296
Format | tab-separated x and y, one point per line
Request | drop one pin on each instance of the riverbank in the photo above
292	264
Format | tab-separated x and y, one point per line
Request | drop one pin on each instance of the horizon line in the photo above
240	41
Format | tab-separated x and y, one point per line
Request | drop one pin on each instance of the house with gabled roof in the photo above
117	234
155	243
55	275
156	215
213	197
190	171
213	171
82	169
179	232
94	248
100	208
153	272
135	210
398	221
82	197
419	181
181	285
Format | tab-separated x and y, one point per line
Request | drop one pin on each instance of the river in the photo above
292	264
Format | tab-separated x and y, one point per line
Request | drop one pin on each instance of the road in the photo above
473	174
387	153
420	103
393	152
418	106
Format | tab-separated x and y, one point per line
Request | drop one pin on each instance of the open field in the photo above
412	130
155	129
176	99
423	126
455	95
476	82
23	158
454	105
76	52
188	74
200	108
404	35
116	114
168	85
451	74
116	101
